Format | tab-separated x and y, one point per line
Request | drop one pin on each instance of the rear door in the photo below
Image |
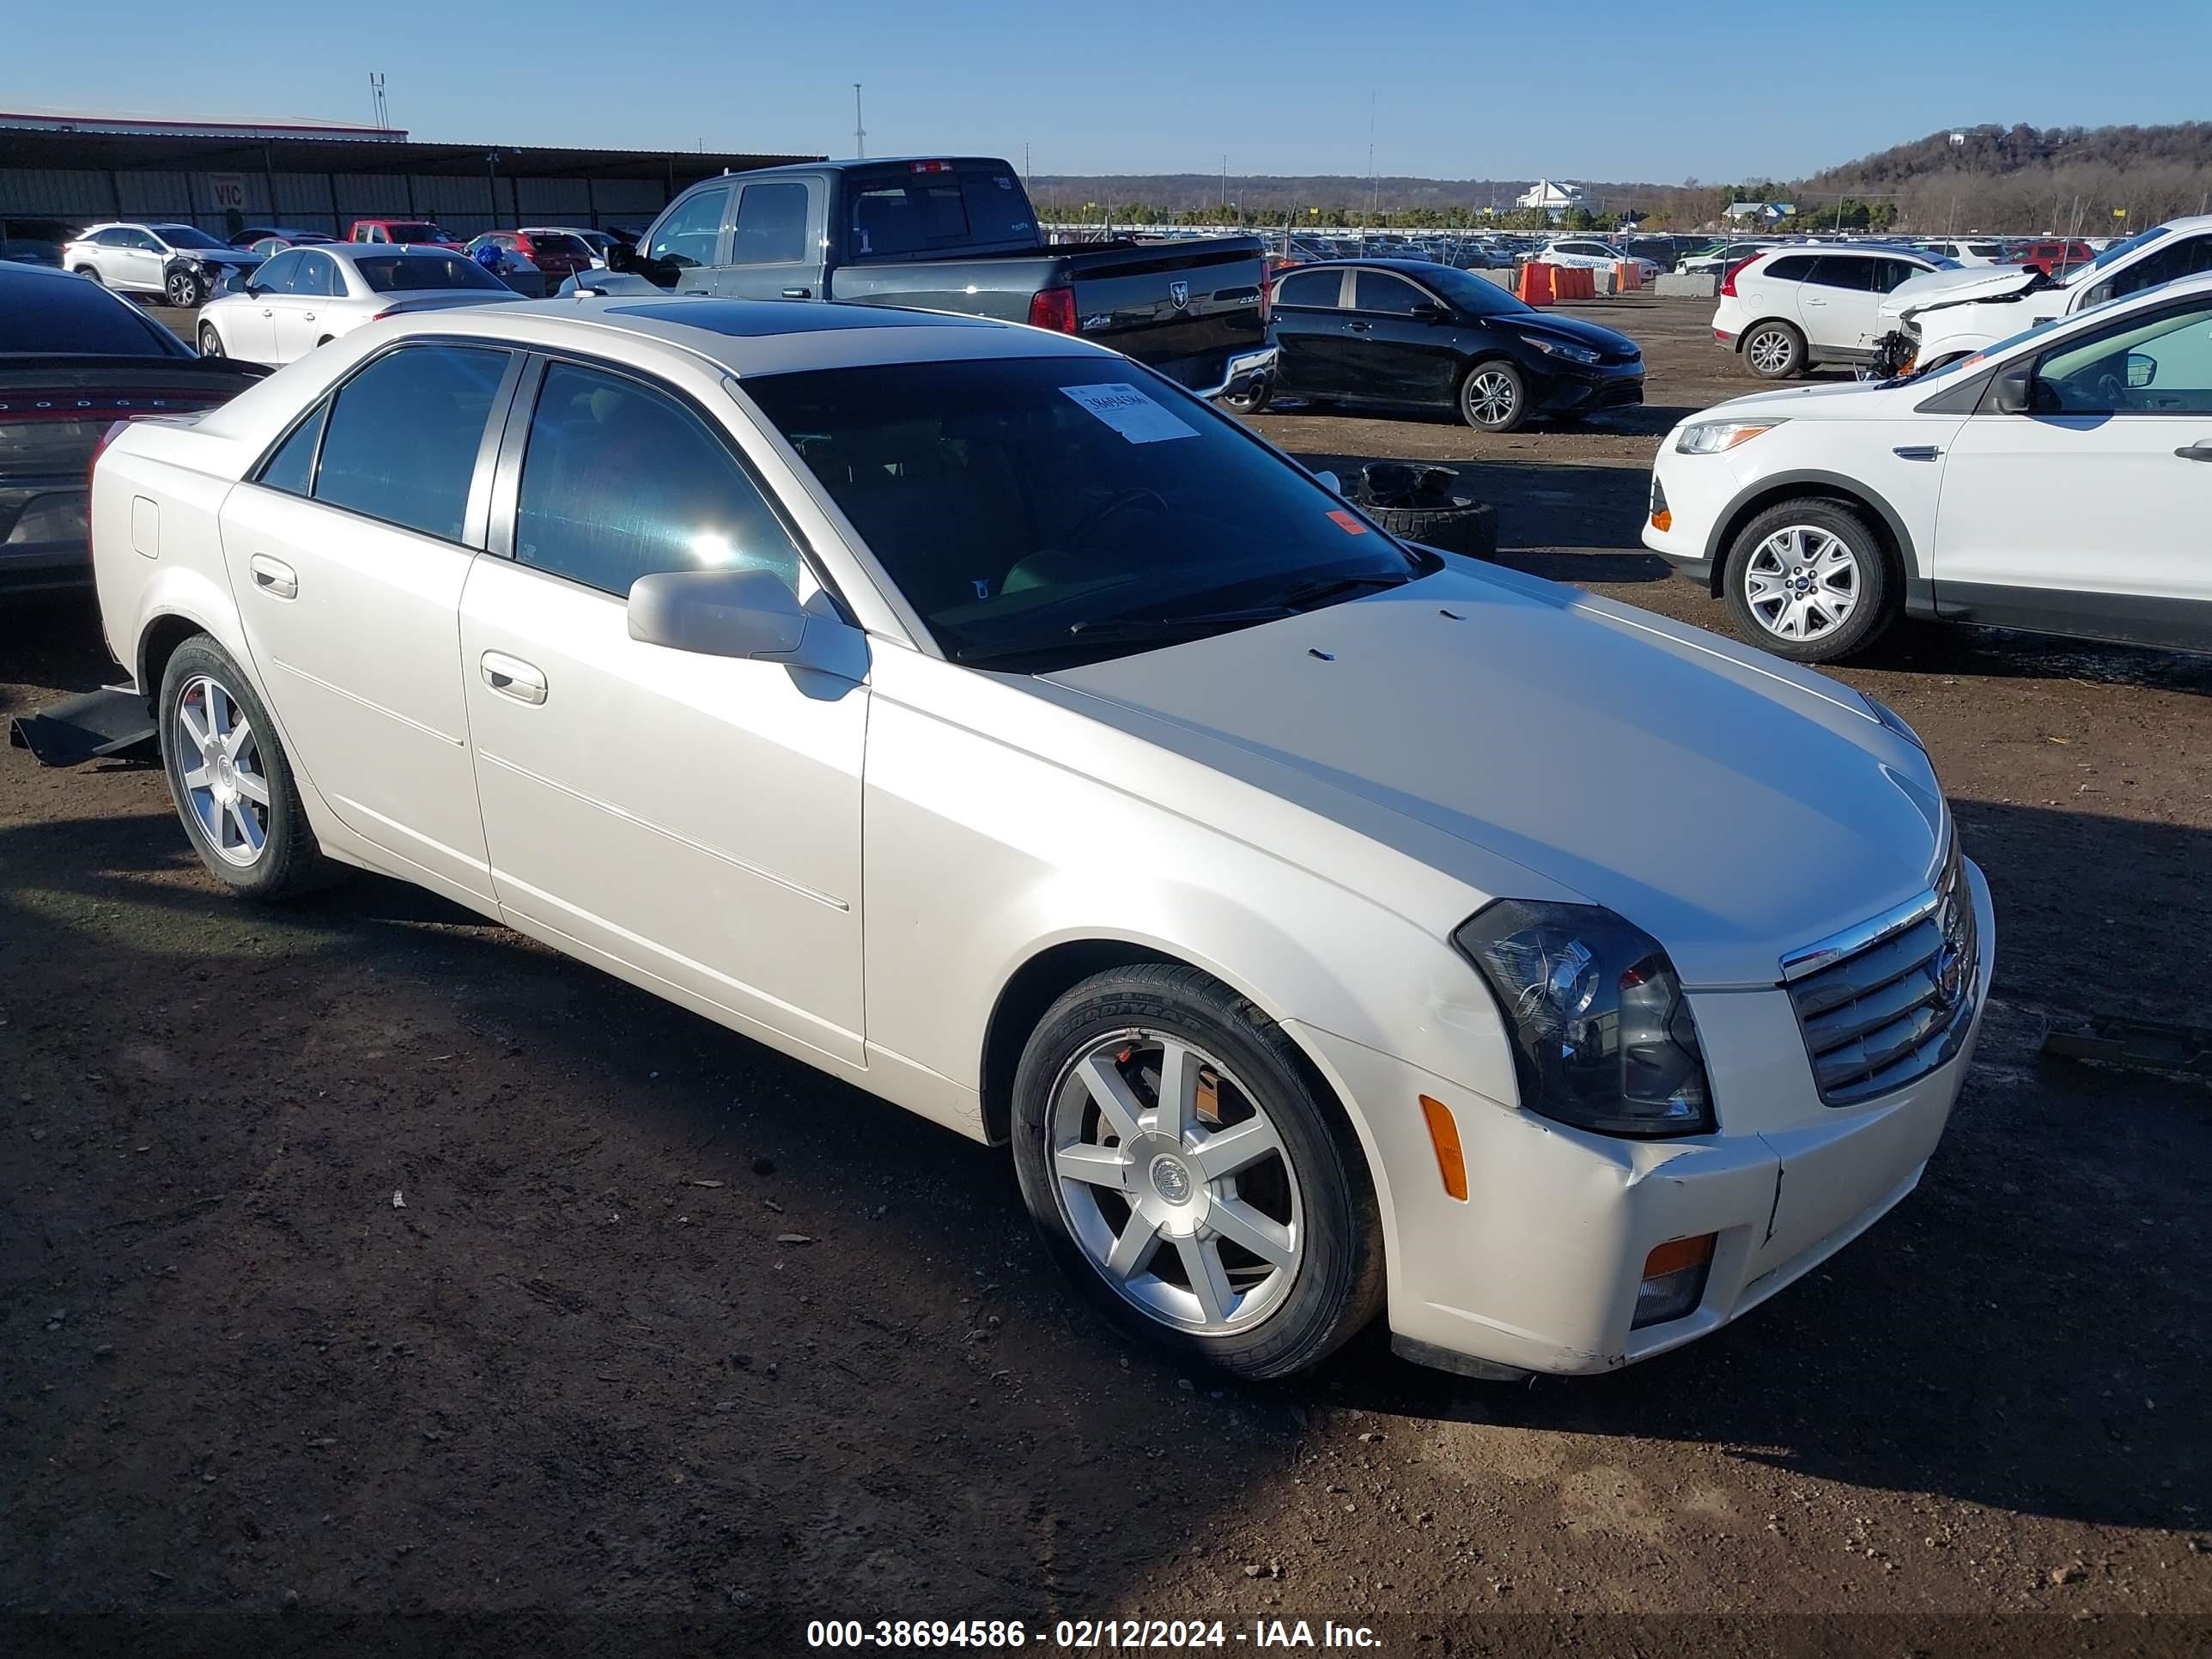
1310	329
1839	302
347	552
693	818
775	242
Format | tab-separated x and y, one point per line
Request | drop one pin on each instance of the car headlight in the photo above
1573	354
1895	721
1603	1035
1712	437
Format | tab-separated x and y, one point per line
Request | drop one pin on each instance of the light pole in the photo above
491	176
860	132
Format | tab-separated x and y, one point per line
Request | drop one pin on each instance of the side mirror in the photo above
749	614
2143	370
621	257
1428	312
2013	392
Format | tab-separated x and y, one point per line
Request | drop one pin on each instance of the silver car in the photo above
308	296
181	264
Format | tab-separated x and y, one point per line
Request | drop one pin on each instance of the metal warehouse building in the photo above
223	176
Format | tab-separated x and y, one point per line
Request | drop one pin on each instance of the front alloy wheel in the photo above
184	290
1493	398
210	342
1808	580
1172	1182
1192	1175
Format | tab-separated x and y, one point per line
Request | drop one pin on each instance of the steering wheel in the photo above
1121	501
2112	392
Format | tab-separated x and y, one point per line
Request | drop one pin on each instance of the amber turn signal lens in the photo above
1677	1255
1663	519
1444	1135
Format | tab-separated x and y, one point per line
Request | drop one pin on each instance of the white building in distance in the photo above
1549	199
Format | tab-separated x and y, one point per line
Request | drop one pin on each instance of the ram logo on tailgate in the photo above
1180	293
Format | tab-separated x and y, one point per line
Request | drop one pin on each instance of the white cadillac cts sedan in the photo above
1333	927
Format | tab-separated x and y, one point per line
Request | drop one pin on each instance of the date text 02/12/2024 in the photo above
1088	1635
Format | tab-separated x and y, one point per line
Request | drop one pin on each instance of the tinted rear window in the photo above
68	314
403	437
894	209
407	273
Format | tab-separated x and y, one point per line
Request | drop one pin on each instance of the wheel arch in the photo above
1757	323
1888	525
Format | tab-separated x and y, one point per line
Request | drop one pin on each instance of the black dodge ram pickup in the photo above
957	236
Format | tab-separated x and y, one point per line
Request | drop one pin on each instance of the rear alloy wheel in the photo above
1185	1173
1808	580
185	289
1774	351
210	342
90	273
230	779
1493	398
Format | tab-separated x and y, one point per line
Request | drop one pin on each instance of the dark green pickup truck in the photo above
958	234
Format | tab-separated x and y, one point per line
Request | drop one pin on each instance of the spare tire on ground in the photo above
1419	504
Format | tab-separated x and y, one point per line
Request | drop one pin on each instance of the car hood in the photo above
1536	742
1947	287
1596	338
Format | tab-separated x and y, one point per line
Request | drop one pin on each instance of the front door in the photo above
249	322
775	243
1405	358
680	252
2089	514
692	819
347	554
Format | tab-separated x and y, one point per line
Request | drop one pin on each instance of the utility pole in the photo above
1373	192
1225	186
1026	174
375	104
860	132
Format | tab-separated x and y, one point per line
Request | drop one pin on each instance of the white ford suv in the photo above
1789	309
2059	482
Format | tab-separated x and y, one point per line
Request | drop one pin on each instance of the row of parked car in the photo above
185	266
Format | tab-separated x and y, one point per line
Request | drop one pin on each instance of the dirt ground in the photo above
373	1279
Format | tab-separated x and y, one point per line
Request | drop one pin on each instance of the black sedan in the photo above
1408	334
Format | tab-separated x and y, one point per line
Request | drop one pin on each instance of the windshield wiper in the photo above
1326	587
1117	630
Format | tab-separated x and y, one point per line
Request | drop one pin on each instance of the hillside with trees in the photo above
2093	181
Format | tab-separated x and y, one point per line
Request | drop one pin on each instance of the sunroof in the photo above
753	319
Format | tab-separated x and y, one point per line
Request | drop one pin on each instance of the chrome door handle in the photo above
799	294
307	317
274	577
511	677
1358	328
266	312
2199	451
1917	453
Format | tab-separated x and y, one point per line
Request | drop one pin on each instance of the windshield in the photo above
2119	248
186	236
559	241
397	273
1474	294
419	230
1020	504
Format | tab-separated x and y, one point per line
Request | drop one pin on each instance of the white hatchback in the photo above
981	718
1793	308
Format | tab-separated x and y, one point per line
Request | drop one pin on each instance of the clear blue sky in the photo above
1476	90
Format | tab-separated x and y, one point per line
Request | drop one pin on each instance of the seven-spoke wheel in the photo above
1191	1173
229	778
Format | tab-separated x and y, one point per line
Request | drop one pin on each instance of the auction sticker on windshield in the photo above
1130	413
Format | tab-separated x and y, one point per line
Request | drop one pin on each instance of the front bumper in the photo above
1538	1269
1586	388
1246	372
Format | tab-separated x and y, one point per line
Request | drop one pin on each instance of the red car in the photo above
560	254
2055	254
420	231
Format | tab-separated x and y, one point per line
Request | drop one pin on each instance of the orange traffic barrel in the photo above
1537	284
